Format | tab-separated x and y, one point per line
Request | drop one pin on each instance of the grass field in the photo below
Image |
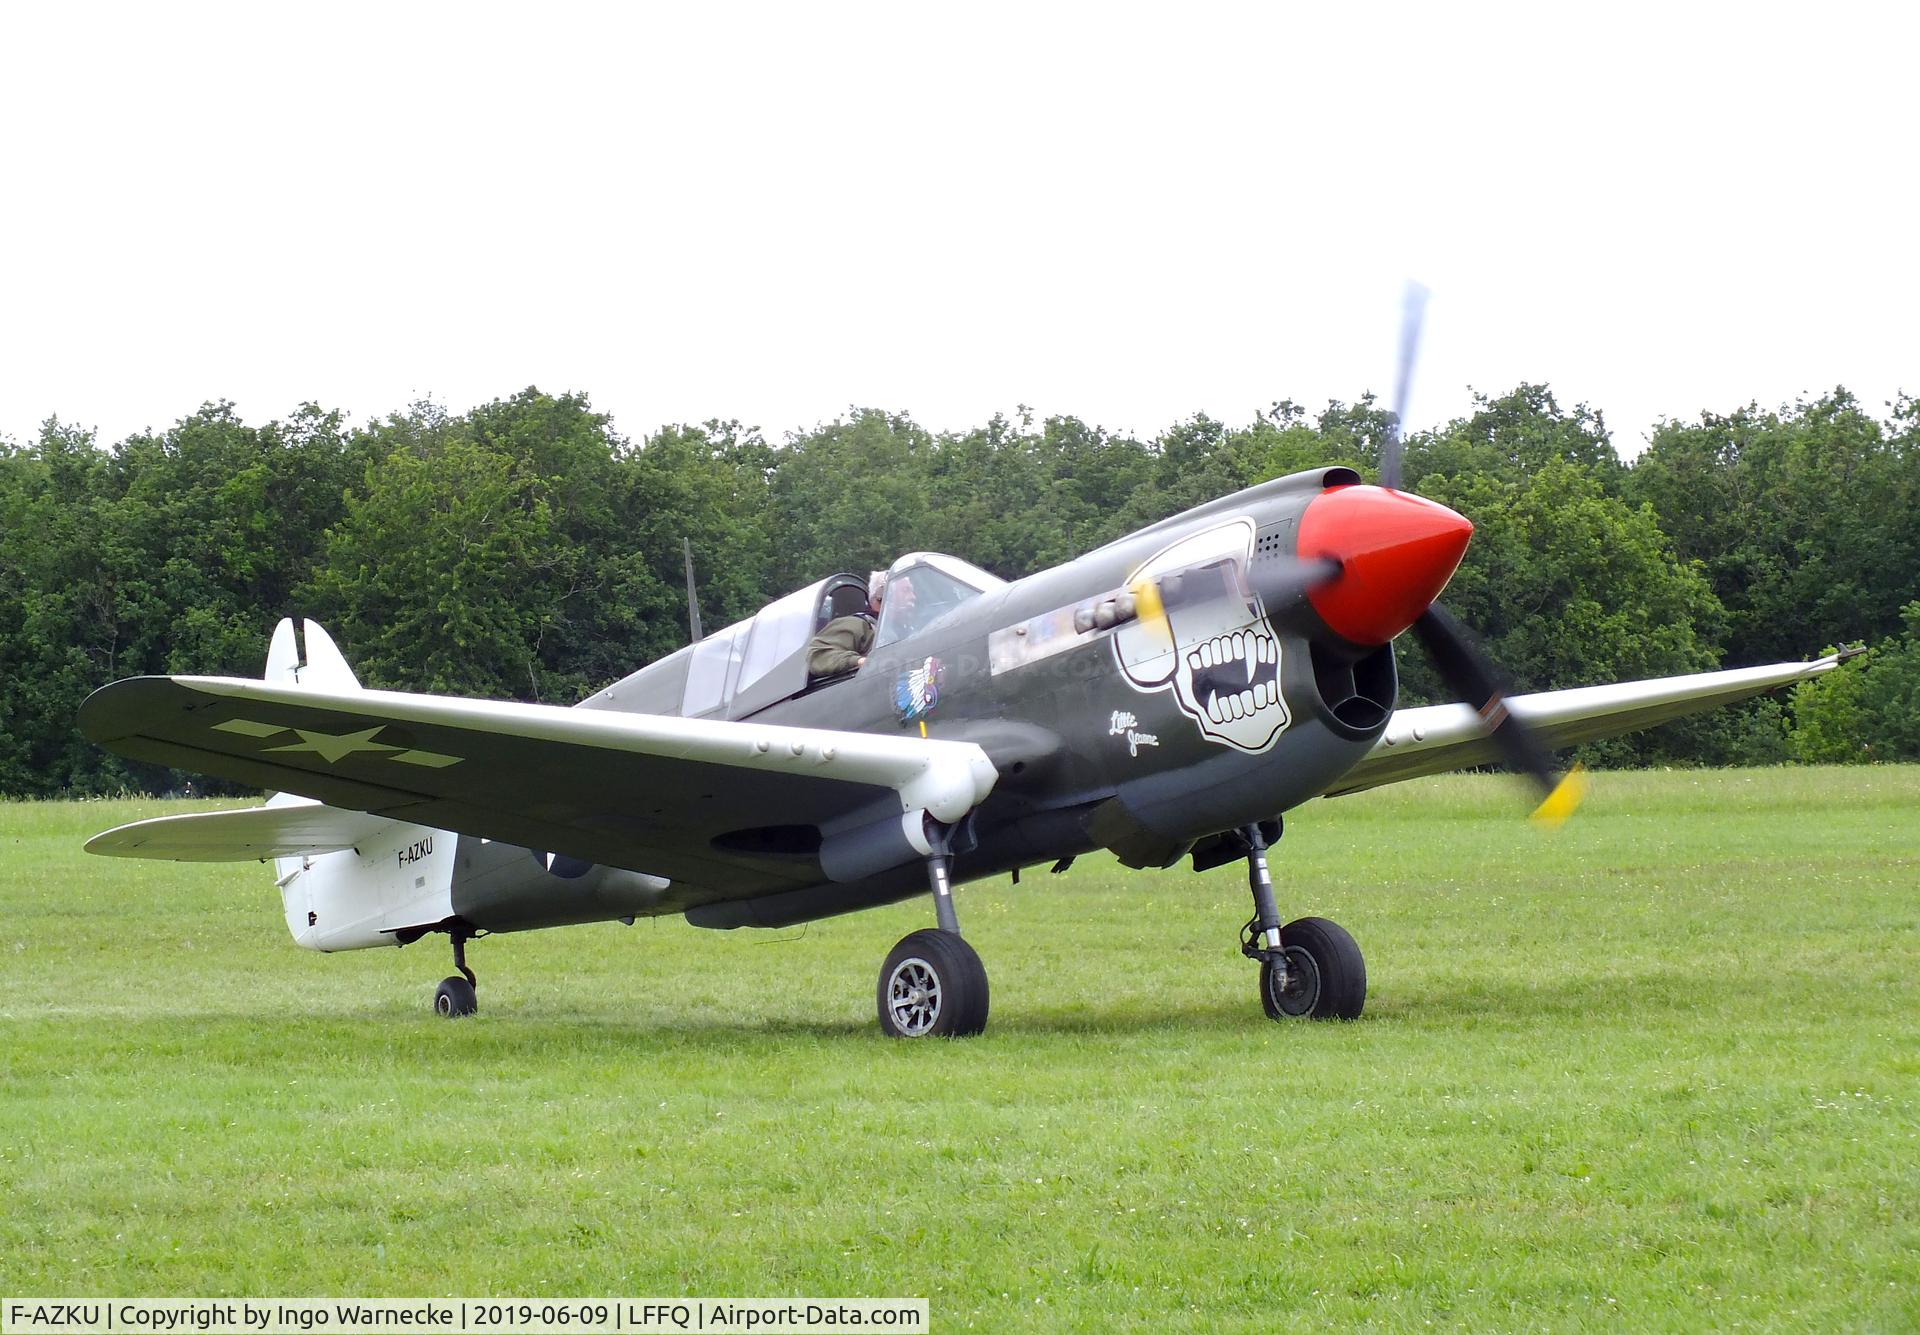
1660	1069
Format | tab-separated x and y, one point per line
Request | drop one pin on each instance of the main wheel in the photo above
455	997
933	985
1326	974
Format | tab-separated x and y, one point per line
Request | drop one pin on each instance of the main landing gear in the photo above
1309	968
456	996
933	985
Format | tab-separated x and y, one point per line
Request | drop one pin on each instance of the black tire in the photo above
454	998
1326	974
933	985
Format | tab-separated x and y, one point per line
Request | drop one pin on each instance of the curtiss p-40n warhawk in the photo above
1167	696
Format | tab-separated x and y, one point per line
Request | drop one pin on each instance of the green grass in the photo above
1658	1070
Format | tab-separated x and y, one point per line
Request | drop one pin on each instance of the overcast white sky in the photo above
1126	214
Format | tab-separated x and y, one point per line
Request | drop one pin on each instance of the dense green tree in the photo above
1568	585
60	632
1015	500
708	485
1868	708
850	495
447	572
1807	521
1514	437
1831	725
526	549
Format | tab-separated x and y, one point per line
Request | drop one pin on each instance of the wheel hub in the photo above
913	997
1297	977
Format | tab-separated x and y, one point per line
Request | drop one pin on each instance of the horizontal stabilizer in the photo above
249	835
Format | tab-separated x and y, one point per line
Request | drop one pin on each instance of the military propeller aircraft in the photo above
1167	696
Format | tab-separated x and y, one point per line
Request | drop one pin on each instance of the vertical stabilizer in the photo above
283	654
326	666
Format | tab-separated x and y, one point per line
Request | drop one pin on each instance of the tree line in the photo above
527	550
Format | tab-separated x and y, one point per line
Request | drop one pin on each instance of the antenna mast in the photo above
693	605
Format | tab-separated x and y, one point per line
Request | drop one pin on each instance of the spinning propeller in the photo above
1371	561
1463	665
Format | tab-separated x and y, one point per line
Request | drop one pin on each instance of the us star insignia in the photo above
335	747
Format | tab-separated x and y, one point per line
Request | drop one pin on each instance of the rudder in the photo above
324	666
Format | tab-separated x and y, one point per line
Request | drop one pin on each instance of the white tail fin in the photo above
325	666
283	655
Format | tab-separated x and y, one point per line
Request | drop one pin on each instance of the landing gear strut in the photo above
933	983
1309	968
455	996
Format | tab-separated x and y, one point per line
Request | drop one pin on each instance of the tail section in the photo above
283	655
324	665
324	888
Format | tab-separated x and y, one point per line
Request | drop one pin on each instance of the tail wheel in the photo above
1326	976
454	998
933	985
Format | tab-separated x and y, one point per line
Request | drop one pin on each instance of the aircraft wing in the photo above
278	830
1432	739
647	792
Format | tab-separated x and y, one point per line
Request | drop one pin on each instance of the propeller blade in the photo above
1471	675
1278	581
1413	310
1283	581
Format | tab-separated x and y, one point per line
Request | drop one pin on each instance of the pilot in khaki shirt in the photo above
842	644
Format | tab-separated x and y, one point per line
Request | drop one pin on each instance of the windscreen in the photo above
916	598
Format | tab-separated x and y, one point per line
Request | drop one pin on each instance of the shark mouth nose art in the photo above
1214	650
1236	676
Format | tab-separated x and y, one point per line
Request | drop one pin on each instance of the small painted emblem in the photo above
918	691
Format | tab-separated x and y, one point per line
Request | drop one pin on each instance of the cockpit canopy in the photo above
922	587
731	661
762	660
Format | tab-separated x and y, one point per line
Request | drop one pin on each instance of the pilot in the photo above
842	644
900	593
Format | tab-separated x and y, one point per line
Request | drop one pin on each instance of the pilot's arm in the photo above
841	646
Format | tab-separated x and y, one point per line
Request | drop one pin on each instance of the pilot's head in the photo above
900	592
